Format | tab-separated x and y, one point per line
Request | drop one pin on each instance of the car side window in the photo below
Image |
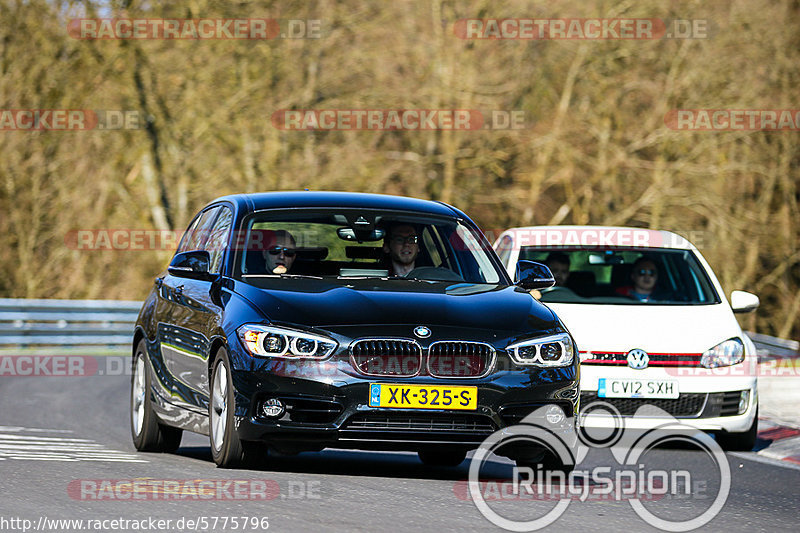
187	237
504	248
218	239
197	240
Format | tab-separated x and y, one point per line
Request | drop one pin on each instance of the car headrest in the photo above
581	281
254	263
621	275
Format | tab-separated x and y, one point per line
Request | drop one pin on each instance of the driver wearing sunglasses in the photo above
280	256
644	277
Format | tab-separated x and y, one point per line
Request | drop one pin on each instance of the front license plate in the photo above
422	396
637	388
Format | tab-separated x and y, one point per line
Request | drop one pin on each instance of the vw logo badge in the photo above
422	332
638	359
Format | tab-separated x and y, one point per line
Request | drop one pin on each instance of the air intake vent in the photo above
450	359
686	406
379	421
305	410
730	403
386	357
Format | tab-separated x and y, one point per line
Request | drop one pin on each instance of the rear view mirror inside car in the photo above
350	234
607	258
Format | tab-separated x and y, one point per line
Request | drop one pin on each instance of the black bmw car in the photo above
296	321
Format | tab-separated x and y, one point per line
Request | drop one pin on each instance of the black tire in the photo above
739	442
226	448
446	457
148	433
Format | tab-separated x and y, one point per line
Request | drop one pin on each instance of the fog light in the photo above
273	408
744	401
554	415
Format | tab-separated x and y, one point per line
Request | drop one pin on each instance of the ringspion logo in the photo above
647	487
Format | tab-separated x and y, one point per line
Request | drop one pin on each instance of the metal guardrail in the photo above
29	323
770	347
25	323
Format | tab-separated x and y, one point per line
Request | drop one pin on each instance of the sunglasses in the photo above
646	272
411	239
277	250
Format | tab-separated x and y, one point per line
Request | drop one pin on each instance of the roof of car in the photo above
600	236
269	200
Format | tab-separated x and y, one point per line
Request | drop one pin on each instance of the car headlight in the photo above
726	353
554	350
272	341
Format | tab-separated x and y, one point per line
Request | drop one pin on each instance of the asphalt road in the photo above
64	441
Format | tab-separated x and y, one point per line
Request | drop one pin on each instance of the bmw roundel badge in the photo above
422	332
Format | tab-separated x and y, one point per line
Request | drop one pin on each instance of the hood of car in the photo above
321	303
652	328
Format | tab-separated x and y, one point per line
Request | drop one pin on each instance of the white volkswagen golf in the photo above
652	325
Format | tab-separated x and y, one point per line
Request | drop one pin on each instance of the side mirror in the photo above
744	302
532	275
193	264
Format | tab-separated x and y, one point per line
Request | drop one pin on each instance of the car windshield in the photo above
624	276
359	243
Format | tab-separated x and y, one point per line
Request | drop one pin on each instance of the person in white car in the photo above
644	276
558	264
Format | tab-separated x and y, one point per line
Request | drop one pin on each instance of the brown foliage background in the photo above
597	151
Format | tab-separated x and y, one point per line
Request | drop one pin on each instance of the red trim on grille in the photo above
690	354
619	359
